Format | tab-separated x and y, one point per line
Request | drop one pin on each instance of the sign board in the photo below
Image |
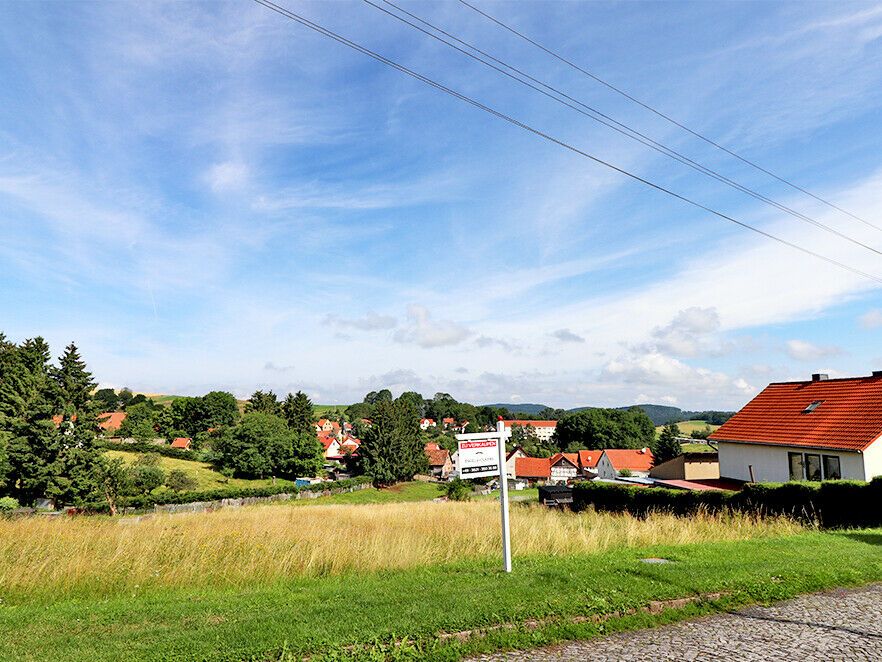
478	458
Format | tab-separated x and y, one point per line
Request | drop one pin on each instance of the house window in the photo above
831	468
812	406
795	461
812	466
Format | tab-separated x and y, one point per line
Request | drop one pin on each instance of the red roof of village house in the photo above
535	424
589	459
532	467
848	418
111	420
639	459
181	442
326	440
432	446
438	457
572	458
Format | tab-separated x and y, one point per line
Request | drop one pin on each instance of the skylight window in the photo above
812	407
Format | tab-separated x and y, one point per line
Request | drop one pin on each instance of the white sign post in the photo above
482	454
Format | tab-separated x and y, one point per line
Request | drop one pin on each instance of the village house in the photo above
558	469
440	464
110	421
511	459
688	466
426	423
182	442
331	445
822	429
636	462
544	429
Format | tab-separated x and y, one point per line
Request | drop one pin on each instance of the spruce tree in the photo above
298	412
74	383
668	446
392	450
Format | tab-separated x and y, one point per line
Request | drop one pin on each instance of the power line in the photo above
507	118
604	119
667	118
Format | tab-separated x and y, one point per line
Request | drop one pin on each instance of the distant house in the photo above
426	423
822	429
587	461
688	466
543	429
349	445
440	464
448	422
182	442
613	460
511	459
111	421
331	445
558	469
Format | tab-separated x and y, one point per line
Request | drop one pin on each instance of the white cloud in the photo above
802	350
227	176
370	322
565	335
686	335
427	333
872	319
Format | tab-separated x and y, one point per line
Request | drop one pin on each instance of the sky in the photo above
211	196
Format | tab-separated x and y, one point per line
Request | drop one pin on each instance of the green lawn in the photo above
322	616
205	475
698	447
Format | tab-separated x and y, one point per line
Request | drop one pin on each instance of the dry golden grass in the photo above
241	547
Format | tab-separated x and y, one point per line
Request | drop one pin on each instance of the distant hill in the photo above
526	408
658	414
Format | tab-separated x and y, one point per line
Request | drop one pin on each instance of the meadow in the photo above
350	581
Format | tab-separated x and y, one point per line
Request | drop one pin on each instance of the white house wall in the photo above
873	460
770	463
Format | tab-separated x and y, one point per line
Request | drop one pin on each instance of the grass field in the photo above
272	583
688	427
205	475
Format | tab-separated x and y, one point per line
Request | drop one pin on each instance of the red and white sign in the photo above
478	458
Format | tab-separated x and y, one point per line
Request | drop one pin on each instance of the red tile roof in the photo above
632	459
532	467
589	459
432	446
848	418
181	442
111	420
572	458
438	458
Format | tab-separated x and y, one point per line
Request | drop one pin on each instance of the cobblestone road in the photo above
837	625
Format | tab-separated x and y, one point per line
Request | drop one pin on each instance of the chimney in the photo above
820	377
877	373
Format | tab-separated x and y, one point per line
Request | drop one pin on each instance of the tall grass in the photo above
240	547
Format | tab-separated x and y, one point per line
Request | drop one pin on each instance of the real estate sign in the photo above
478	458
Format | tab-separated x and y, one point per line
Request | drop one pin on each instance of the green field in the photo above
400	493
688	427
358	616
205	475
321	411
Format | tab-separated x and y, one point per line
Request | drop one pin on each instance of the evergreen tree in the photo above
392	450
74	383
668	446
264	403
298	412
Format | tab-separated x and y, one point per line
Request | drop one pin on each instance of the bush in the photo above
831	504
170	497
180	481
7	504
457	490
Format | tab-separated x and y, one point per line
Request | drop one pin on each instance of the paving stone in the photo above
836	625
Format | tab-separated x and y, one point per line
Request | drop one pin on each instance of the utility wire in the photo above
511	120
668	118
602	118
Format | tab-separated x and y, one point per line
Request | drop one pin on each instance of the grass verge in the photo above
358	615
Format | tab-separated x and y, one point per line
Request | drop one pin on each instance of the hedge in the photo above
169	497
831	504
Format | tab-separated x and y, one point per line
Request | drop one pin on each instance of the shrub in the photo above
457	490
831	504
7	504
180	481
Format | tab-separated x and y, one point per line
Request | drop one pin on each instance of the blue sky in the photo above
210	196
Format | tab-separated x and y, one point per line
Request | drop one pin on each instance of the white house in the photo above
821	429
543	429
636	461
426	423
